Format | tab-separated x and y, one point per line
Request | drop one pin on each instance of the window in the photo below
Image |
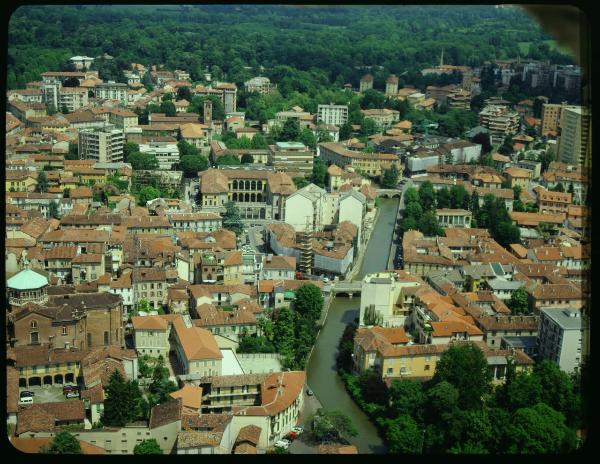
34	324
390	370
89	340
105	338
427	367
64	330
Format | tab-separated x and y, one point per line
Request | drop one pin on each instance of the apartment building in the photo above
112	91
336	115
500	121
293	158
560	334
383	118
371	164
260	85
575	138
552	117
166	153
366	83
104	145
391	86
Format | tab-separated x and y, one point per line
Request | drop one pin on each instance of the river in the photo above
321	372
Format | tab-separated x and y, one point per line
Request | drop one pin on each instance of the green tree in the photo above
518	302
187	149
192	165
128	149
42	182
459	197
427	196
319	173
148	446
558	391
407	397
73	153
53	210
256	344
168	107
247	158
308	138
231	218
411	195
372	99
167	97
290	131
465	367
283	335
429	225
390	177
507	146
506	233
331	425
539	430
118	405
258	142
368	127
409	223
146	194
184	93
345	131
403	435
63	443
228	160
142	161
309	301
442	198
300	182
558	188
373	388
413	210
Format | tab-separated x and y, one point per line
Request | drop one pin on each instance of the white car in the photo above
285	444
298	429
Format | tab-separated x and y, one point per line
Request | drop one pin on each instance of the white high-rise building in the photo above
560	337
574	136
104	145
336	115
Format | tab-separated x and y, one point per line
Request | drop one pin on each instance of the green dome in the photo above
27	280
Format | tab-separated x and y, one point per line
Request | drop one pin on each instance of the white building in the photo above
336	115
310	207
575	138
167	153
259	84
112	91
353	207
379	300
81	62
559	337
151	335
105	145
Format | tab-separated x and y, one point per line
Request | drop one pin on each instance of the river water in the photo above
321	372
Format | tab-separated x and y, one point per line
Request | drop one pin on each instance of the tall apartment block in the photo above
332	114
391	85
366	82
574	144
500	121
104	145
552	117
560	335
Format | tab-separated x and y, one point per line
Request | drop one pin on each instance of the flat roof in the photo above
567	318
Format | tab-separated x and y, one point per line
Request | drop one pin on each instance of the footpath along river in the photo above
321	372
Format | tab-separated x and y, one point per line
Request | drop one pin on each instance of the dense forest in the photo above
331	44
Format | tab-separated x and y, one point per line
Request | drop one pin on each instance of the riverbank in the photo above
329	389
361	254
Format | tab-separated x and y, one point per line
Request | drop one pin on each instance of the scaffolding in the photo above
306	249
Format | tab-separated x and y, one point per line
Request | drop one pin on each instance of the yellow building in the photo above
90	175
20	181
519	176
232	268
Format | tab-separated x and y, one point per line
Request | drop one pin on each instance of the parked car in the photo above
298	429
309	392
26	393
26	398
291	436
72	394
285	444
68	388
